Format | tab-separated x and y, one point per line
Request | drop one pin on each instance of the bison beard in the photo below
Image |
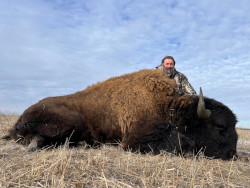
140	109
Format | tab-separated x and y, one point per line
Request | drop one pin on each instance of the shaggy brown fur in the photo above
104	112
139	109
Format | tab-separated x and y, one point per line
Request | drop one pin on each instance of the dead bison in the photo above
139	109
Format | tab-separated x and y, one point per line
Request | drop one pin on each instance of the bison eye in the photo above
220	128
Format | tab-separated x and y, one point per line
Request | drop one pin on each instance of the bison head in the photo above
215	126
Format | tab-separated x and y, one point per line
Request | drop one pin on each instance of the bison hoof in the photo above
34	144
32	148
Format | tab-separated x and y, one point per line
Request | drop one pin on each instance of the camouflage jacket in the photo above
183	86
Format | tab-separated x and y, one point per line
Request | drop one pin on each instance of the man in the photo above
183	86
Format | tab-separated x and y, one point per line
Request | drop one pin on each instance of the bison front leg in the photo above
35	143
158	137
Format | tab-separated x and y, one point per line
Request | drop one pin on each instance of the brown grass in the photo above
244	140
110	166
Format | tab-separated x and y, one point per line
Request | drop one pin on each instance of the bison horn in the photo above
202	112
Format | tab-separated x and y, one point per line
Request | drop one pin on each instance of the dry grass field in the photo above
110	166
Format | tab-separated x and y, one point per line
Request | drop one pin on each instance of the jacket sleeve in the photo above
187	88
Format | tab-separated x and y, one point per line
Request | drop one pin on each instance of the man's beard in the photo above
169	71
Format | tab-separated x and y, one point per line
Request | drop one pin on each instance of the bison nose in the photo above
233	155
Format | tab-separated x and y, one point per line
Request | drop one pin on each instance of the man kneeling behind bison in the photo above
140	109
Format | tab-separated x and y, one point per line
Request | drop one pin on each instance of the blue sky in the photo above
58	47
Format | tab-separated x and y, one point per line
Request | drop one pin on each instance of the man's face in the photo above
168	63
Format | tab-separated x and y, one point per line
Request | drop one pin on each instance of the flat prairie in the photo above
110	166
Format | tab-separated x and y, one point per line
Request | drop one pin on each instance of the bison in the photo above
141	110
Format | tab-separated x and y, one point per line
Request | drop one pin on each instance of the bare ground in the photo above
110	166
